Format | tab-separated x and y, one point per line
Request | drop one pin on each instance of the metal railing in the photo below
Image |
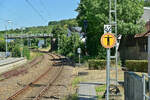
145	96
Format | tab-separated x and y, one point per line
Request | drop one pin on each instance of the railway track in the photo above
36	89
36	61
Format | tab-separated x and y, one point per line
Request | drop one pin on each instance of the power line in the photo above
8	10
44	7
29	3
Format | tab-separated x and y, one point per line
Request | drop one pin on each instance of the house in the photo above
136	48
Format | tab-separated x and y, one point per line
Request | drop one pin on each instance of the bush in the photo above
98	64
137	65
2	44
26	52
16	51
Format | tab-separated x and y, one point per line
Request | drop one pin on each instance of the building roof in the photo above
142	34
145	33
146	18
146	15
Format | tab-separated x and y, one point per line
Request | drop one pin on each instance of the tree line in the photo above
96	13
92	16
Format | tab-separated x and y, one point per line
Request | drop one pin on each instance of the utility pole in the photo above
6	40
7	21
22	42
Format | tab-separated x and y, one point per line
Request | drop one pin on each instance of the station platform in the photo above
86	91
11	63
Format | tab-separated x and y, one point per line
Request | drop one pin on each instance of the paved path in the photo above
87	91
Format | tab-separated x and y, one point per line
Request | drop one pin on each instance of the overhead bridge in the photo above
23	36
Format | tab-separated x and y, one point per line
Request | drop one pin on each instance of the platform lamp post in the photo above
58	42
7	21
22	42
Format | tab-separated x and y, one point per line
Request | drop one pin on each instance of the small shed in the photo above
142	41
135	47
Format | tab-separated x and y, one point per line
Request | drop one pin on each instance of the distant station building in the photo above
135	47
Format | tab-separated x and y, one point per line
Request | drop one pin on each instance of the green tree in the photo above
16	51
26	52
68	22
69	45
59	30
2	44
96	12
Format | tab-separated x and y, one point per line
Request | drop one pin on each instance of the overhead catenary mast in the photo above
113	81
113	23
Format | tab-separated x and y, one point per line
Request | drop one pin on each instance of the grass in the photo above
34	55
100	91
101	88
1	78
76	81
71	97
44	49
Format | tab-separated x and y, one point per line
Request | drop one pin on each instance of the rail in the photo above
37	62
49	84
29	85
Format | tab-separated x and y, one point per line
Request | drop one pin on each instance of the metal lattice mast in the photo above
113	22
111	83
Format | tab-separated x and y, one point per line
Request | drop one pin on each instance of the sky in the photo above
26	13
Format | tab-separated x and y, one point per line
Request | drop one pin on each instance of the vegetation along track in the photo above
38	87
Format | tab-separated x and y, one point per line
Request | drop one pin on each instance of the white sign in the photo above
107	29
79	50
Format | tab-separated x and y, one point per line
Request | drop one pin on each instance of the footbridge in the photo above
23	36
